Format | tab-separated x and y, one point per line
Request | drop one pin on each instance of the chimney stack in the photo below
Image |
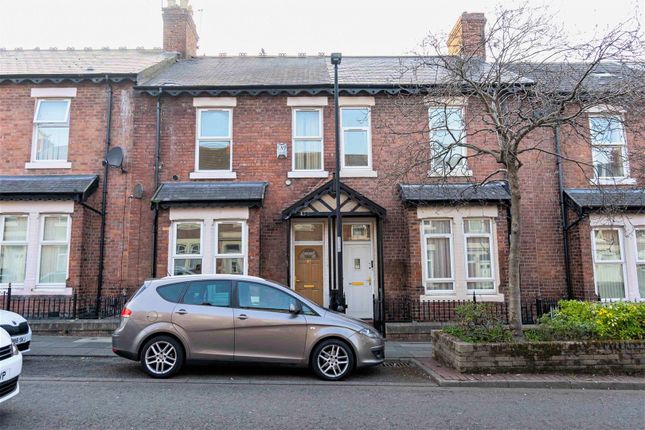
179	30
467	36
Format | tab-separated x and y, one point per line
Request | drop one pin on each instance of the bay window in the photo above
437	249
640	261
214	140
13	248
307	140
229	252
51	130
356	138
479	262
609	148
187	249
447	135
54	249
609	271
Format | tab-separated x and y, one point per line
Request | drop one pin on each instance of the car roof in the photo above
184	278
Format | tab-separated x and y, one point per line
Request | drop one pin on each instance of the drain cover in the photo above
396	363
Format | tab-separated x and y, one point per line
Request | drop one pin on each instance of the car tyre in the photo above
332	360
162	357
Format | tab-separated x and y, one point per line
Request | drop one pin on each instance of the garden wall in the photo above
584	356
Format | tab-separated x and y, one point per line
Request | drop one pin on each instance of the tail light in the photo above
126	313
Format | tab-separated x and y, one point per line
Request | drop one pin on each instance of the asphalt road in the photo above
68	392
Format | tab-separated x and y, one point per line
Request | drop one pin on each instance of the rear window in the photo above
172	292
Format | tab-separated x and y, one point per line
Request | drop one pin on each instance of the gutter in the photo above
563	213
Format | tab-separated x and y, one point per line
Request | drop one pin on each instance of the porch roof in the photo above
418	194
48	187
601	198
321	202
249	194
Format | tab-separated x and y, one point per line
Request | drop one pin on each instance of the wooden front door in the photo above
309	272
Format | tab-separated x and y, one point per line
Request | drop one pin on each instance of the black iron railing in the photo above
62	307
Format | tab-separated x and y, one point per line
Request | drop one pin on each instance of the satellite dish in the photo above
137	193
114	157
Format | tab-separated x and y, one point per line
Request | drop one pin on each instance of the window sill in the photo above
307	174
484	297
213	175
48	165
452	174
357	173
613	181
52	289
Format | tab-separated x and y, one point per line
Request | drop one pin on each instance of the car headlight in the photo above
14	349
369	333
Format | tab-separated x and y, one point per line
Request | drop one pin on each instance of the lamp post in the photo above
340	302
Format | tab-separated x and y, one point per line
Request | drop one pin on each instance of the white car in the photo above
10	367
18	328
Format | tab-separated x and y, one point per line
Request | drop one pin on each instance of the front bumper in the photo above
10	370
22	341
369	351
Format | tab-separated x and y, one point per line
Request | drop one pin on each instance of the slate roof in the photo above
216	193
454	193
80	62
596	198
48	187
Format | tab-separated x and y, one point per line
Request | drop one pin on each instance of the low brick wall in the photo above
84	328
586	356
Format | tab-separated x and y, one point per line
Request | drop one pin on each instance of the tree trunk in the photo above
514	293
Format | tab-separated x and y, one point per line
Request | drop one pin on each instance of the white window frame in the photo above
462	169
295	138
243	254
42	242
621	240
24	243
174	256
424	247
199	138
624	152
367	128
35	162
491	248
639	262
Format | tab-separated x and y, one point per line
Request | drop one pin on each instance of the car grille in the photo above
8	387
5	352
15	330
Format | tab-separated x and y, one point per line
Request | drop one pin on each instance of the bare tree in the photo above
535	83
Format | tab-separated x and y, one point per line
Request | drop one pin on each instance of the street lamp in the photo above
336	58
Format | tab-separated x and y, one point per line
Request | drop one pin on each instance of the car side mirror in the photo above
295	308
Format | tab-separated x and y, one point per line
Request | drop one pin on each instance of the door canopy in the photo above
322	203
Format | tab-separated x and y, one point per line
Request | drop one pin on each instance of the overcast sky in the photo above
353	27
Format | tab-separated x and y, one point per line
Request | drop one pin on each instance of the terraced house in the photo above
119	165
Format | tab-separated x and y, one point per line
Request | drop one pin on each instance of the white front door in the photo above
358	276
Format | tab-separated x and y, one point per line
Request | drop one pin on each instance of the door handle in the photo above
182	312
242	317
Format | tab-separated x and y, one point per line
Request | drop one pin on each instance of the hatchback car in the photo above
10	367
18	328
177	319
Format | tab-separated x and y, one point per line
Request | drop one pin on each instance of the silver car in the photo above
181	319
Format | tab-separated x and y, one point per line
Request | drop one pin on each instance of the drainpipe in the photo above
156	207
335	60
104	192
563	213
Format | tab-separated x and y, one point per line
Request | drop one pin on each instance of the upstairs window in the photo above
608	146
307	139
355	122
51	130
214	140
447	136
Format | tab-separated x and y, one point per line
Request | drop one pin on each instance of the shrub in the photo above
478	322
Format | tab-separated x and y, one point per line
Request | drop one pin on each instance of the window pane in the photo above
15	228
439	285
445	156
188	237
213	293
608	161
640	245
12	263
307	123
641	280
308	154
258	296
606	130
55	228
355	117
607	245
51	143
214	123
172	292
188	266
487	285
436	227
356	148
214	155
448	118
356	232
438	257
229	239
477	226
609	279
229	266
53	264
308	232
478	257
52	111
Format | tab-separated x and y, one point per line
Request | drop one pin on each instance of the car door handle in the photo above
182	312
243	317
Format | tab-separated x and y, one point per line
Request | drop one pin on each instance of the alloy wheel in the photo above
333	361
161	357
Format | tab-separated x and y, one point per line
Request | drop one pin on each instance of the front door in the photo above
309	272
358	275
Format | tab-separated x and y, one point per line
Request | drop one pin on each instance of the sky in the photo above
353	27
